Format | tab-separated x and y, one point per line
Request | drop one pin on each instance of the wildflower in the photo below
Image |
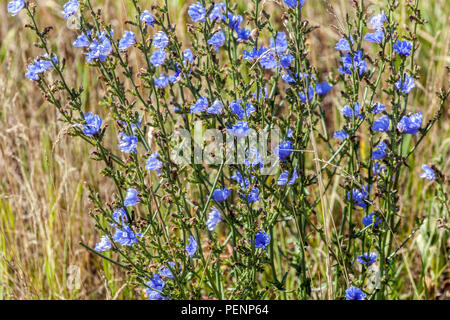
406	84
127	144
284	150
92	124
410	124
371	219
217	12
119	217
220	195
381	124
377	169
378	108
353	62
153	163
147	18
428	173
354	293
286	60
15	6
162	81
310	95
253	195
380	152
237	109
40	65
197	12
254	54
351	113
294	3
214	217
378	20
243	181
188	56
341	134
126	236
100	48
216	108
70	8
262	240
268	61
155	287
165	271
243	34
283	178
200	105
253	158
280	44
367	258
132	198
376	37
343	44
234	21
323	88
191	247
359	196
127	41
103	245
160	40
217	40
158	58
240	129
82	41
402	47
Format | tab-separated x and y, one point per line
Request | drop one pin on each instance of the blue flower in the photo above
162	81
160	40
353	62
153	162
188	56
70	8
217	12
294	3
216	108
82	41
119	217
402	47
371	219
234	21
378	20
155	287
354	293
283	178
254	54
262	240
284	150
253	195
197	12
280	45
243	34
349	112
132	198
191	247
240	129
103	245
268	61
127	144
15	6
253	158
380	152
100	48
158	58
92	124
377	169
147	18
343	44
237	109
378	108
217	40
40	65
381	124
200	105
243	181
126	236
376	37
127	41
359	196
286	60
341	134
165	271
214	217
323	88
405	85
410	124
428	173
367	258
220	195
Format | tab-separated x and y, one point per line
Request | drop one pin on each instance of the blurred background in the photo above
44	173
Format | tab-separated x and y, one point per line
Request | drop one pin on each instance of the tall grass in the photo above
43	174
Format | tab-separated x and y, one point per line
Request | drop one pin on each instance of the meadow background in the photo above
44	173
